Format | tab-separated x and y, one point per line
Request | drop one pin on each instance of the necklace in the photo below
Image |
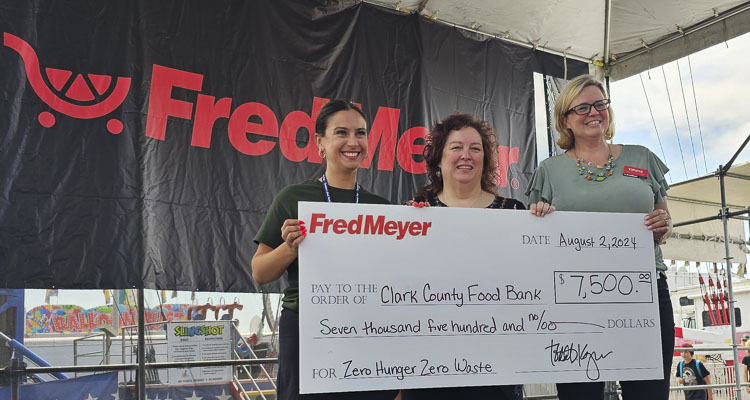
477	201
600	173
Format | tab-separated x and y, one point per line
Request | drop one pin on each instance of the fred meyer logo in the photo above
92	96
368	225
200	330
82	97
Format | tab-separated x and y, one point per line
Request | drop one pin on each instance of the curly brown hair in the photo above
433	152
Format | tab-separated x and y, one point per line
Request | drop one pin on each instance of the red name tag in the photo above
635	172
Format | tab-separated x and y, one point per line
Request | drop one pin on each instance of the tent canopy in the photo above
701	198
706	189
625	36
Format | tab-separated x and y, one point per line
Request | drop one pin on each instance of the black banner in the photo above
141	142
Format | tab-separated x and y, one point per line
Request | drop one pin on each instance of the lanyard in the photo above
328	192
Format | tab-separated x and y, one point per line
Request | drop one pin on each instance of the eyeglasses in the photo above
583	109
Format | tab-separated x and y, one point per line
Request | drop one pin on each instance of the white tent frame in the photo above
725	215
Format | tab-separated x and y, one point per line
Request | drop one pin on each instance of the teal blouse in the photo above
557	181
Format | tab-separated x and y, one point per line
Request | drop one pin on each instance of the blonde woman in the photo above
594	175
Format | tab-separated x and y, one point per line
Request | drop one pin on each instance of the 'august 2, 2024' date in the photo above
602	242
578	243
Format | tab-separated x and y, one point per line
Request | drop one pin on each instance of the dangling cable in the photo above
663	155
697	116
674	121
687	118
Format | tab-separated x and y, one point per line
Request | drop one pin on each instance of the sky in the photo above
722	93
719	85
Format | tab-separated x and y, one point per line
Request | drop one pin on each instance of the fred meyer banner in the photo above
142	142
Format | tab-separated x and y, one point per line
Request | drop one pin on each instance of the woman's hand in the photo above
293	232
659	222
540	209
269	263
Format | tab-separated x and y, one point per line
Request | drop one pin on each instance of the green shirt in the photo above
284	207
556	181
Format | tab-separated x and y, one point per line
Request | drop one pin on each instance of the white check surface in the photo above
398	297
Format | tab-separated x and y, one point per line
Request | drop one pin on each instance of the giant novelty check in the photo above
398	297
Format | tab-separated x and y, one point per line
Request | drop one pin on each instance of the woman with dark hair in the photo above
461	157
594	175
341	137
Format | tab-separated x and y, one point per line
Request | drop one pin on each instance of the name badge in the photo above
635	172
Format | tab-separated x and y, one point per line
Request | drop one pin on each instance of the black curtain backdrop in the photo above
146	142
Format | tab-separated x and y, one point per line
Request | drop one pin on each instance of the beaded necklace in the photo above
602	171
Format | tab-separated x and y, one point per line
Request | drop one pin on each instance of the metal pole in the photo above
14	367
19	350
728	263
550	136
157	365
725	168
607	25
116	314
107	348
706	219
141	376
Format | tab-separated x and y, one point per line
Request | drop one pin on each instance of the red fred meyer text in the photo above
266	133
368	225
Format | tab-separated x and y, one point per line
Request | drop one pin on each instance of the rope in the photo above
674	121
690	131
700	131
653	120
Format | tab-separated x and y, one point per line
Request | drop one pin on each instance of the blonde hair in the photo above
564	101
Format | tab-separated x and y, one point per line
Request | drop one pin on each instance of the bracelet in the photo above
660	239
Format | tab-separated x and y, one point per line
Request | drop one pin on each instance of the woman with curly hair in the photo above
461	157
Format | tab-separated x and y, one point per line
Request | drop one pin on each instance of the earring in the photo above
321	153
439	174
